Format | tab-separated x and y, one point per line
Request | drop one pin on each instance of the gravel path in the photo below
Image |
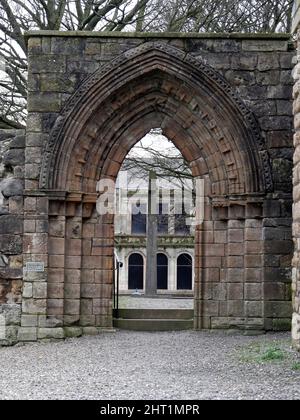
130	365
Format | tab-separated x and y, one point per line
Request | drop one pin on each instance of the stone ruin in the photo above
226	103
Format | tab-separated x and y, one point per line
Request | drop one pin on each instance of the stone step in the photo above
155	313
154	324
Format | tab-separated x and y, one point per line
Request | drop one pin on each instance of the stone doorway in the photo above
150	84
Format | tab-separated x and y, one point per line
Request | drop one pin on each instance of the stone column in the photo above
237	265
73	257
151	268
87	319
198	287
172	276
101	263
278	248
56	274
254	286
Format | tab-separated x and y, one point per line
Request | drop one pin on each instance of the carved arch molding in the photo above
154	85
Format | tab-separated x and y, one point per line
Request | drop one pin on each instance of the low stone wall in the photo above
12	158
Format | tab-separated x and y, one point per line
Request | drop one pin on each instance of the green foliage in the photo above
296	366
273	354
263	353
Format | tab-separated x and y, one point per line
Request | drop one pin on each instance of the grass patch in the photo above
273	354
296	366
268	352
262	353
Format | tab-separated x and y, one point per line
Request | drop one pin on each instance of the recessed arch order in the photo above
156	85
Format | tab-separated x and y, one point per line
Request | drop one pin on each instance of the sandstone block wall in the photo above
246	247
259	70
246	274
296	182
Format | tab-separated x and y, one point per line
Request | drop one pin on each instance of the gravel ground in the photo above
137	365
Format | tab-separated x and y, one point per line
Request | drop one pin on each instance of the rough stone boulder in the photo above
10	320
11	187
14	157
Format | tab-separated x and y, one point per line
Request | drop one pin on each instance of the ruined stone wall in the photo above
258	68
247	248
296	182
12	159
247	276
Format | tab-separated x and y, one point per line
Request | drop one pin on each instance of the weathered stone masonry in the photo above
296	182
225	101
12	152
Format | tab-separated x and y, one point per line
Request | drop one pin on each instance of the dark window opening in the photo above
185	272
162	272
136	272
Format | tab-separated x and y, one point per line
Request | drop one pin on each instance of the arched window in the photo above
184	272
162	272
136	272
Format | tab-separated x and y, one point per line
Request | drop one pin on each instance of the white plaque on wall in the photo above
35	267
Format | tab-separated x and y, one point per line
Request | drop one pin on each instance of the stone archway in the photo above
152	85
167	88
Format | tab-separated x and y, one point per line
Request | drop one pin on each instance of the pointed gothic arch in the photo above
149	86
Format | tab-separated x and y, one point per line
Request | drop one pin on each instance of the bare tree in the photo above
17	16
171	169
167	162
223	16
164	166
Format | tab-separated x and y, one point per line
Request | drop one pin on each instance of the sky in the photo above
157	142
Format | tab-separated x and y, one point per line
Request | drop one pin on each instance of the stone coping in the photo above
170	35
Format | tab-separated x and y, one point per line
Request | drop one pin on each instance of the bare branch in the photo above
17	16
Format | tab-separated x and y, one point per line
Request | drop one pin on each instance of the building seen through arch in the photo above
184	272
135	272
175	235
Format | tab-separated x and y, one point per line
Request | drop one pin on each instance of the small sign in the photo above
35	267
